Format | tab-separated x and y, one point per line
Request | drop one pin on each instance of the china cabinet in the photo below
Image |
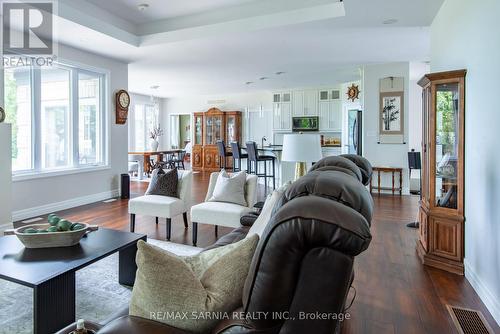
209	127
441	212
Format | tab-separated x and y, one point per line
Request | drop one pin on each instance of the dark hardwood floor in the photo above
395	292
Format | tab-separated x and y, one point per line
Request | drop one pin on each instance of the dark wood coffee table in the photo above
51	271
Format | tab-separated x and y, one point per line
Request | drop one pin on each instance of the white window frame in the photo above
105	127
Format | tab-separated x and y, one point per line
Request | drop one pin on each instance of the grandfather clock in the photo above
441	212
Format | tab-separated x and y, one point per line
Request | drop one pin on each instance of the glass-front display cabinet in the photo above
209	127
441	213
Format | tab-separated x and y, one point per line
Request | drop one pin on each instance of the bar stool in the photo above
223	154
254	157
237	156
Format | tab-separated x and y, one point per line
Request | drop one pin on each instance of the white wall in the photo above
254	127
43	195
465	34
384	155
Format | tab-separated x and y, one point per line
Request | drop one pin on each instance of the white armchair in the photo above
221	213
164	206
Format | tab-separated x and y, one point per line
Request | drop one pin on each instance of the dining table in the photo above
146	156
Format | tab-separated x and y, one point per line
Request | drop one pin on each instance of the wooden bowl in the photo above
49	239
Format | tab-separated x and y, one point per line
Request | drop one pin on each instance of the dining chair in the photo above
223	154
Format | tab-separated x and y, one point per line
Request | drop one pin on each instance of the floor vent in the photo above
469	321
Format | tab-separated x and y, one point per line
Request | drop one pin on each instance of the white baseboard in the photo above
491	301
67	204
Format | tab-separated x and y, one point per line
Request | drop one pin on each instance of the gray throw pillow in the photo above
230	188
210	282
164	184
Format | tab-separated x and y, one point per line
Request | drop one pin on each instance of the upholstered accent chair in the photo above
164	206
221	213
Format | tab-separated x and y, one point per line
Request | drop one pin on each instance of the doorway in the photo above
180	131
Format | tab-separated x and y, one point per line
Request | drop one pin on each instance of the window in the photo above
58	118
145	118
19	114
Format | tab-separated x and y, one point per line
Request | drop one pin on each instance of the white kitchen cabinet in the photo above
298	103
324	118
335	115
282	111
305	103
330	110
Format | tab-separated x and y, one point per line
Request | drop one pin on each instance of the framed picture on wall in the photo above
391	117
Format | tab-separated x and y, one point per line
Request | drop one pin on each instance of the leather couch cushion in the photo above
334	185
364	166
340	164
230	238
210	281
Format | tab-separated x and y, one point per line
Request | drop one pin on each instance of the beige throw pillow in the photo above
230	188
265	215
168	286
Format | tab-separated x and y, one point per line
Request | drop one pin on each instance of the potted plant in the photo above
154	134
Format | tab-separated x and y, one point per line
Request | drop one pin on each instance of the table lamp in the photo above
301	148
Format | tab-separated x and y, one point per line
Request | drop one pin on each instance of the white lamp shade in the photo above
301	148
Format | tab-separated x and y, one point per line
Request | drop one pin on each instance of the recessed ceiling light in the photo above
280	73
248	82
154	87
390	21
142	7
263	78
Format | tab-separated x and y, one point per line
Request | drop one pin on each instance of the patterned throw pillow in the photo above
164	184
209	283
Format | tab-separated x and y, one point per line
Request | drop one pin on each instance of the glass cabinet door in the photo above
213	129
231	134
446	144
198	125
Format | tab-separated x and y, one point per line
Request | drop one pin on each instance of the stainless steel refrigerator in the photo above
355	133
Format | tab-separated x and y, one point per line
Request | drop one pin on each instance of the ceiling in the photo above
215	46
162	9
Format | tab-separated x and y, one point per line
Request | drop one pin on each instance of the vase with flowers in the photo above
154	134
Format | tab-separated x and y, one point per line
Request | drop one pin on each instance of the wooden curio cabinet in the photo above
197	158
441	212
209	127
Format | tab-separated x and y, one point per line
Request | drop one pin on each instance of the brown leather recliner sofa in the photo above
303	266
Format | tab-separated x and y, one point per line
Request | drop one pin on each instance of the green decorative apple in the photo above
64	225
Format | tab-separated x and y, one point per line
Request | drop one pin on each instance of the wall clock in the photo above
353	92
2	115
122	104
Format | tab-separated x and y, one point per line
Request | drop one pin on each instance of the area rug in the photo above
98	293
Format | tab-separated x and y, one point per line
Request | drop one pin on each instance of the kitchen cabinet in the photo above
330	115
305	103
282	111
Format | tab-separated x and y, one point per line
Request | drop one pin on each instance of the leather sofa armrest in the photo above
137	325
88	325
249	219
